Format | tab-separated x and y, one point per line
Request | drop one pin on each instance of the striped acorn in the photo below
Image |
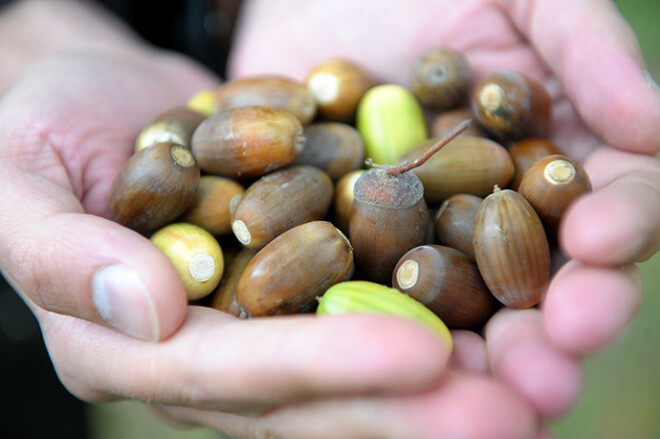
511	249
467	165
175	125
279	201
363	297
287	275
391	121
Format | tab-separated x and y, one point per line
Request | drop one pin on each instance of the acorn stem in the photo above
451	135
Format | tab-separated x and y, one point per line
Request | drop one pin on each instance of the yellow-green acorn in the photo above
363	297
391	122
196	255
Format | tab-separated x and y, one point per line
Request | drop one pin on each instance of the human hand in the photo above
605	114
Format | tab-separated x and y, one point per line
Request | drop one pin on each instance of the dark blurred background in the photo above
622	384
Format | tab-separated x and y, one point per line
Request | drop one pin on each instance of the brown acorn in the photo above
441	78
525	152
389	214
447	282
447	120
335	147
247	141
154	187
288	274
551	184
511	249
454	222
269	91
511	106
211	209
224	297
175	125
338	85
467	165
279	201
343	199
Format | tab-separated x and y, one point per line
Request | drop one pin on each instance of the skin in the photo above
74	102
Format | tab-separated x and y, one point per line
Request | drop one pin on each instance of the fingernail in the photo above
124	302
651	80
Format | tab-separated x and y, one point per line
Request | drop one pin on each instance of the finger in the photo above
588	307
72	263
216	361
619	222
522	356
469	352
595	53
460	406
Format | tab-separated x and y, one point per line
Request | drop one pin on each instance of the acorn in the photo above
525	152
154	187
552	184
389	214
343	199
248	141
510	105
338	85
447	282
288	274
447	120
454	222
212	206
204	102
391	122
224	296
511	249
441	78
174	125
196	255
467	165
363	297
279	201
335	147
269	91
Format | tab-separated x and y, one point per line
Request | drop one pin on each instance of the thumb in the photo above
72	263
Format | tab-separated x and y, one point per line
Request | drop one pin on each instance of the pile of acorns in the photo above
274	169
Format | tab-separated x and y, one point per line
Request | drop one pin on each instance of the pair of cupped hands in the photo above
114	315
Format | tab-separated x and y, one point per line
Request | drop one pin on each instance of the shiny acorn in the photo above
343	199
270	91
363	297
527	151
511	106
447	282
175	125
467	165
338	84
552	184
204	102
224	297
248	141
454	222
445	121
213	202
196	255
511	249
279	201
335	147
288	274
154	187
441	78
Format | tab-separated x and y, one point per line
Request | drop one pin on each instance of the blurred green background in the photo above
622	384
